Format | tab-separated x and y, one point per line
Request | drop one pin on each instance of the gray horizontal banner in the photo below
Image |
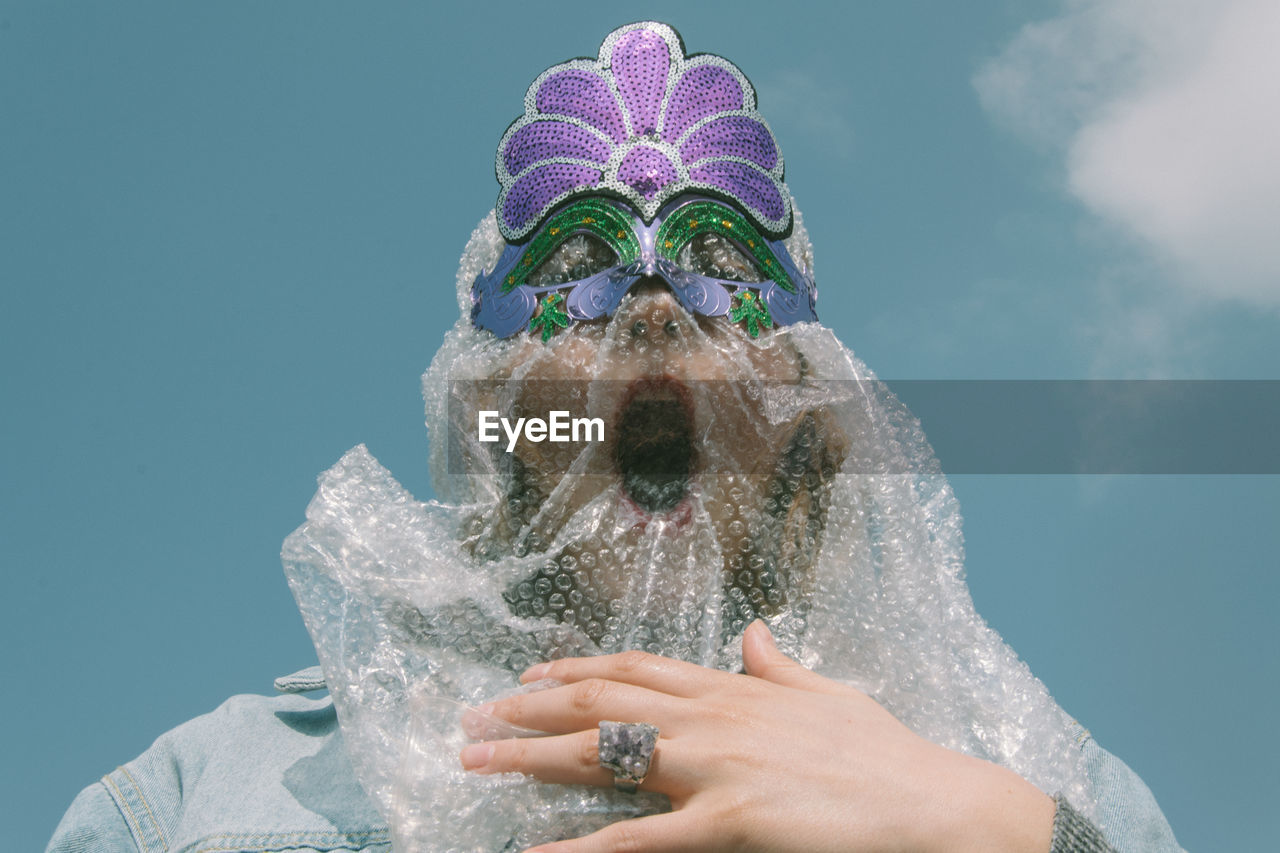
1099	426
974	426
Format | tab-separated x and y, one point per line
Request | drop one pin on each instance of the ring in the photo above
627	749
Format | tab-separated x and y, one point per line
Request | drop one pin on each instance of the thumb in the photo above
762	659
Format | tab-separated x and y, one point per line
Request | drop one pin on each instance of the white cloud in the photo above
1166	116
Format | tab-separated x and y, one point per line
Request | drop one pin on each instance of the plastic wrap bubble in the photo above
741	477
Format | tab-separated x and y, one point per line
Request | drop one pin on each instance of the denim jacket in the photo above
259	773
271	774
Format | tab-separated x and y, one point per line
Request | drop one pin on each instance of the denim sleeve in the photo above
93	824
1127	811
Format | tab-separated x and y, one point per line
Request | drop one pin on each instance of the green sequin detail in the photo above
551	317
701	216
747	305
591	215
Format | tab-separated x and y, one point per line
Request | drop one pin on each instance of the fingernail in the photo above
476	756
533	673
764	637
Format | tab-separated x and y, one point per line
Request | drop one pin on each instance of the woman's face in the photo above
705	460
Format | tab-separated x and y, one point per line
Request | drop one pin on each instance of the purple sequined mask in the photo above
643	162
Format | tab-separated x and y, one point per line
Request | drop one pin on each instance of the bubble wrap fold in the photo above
800	491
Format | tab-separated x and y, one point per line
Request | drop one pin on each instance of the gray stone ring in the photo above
626	749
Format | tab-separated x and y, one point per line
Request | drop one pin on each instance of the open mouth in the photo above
654	451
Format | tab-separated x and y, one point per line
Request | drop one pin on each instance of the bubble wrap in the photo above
788	485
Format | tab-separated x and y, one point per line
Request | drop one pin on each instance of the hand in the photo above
779	759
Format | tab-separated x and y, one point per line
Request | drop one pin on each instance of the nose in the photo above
650	312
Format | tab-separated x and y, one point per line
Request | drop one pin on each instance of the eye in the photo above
578	257
715	256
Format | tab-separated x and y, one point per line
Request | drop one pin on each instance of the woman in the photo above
750	482
645	268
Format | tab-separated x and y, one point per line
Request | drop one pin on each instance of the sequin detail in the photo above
702	216
592	215
640	62
703	91
581	95
736	135
743	182
750	309
550	317
643	122
541	140
542	185
594	249
646	170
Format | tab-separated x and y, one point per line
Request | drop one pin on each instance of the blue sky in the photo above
228	235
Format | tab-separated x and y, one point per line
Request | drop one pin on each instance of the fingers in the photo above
569	760
673	832
665	675
566	760
583	704
762	659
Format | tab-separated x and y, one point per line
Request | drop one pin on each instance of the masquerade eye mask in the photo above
642	162
589	254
